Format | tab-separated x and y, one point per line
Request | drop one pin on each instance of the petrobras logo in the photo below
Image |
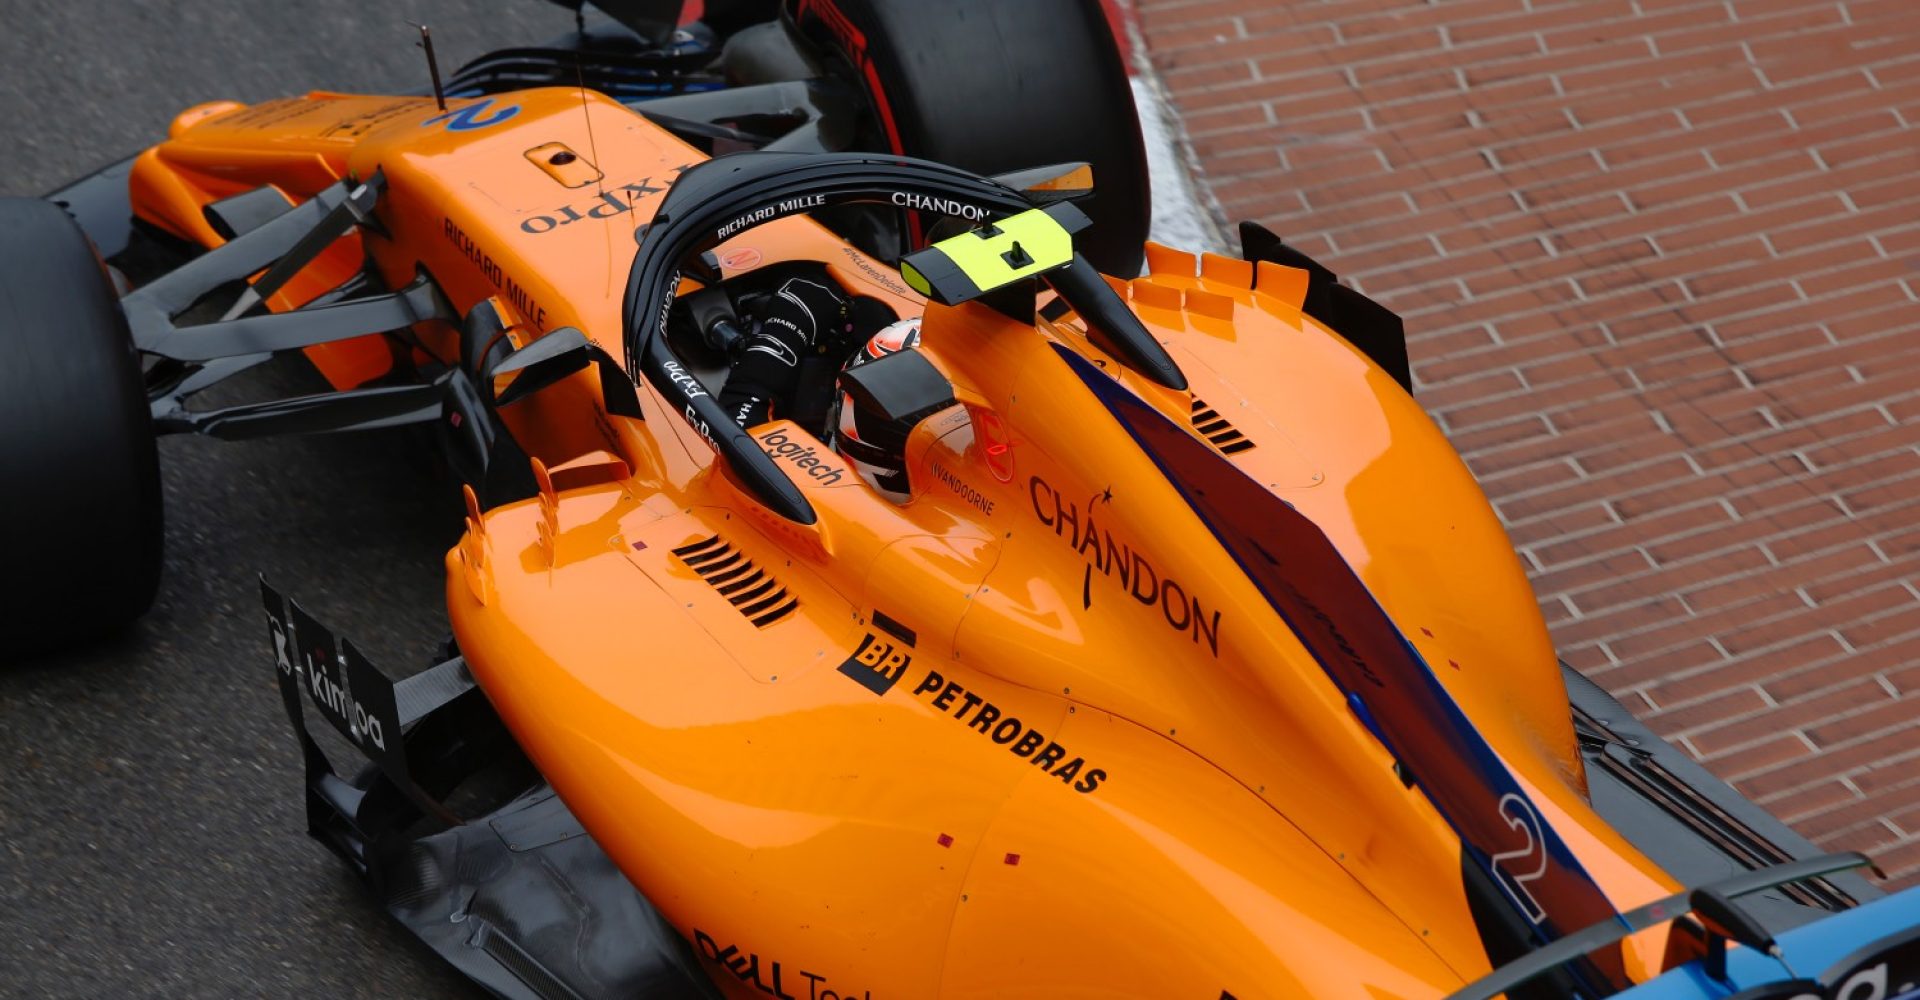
981	715
885	656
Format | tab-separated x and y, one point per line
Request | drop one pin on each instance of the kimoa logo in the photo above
338	698
318	665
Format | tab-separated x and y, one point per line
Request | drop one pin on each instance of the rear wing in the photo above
1721	921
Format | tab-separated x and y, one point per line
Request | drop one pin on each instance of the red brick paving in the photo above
1661	264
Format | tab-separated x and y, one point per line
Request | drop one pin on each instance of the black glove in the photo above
766	372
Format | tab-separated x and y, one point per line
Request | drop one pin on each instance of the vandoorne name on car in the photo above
963	489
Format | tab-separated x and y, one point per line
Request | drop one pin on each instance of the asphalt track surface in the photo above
151	816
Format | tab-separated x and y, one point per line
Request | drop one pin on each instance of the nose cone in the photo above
199	113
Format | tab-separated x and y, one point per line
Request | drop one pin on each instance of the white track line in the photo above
1184	213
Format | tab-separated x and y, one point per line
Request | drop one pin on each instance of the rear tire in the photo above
79	473
998	85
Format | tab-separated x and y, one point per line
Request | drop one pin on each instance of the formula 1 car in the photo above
1183	657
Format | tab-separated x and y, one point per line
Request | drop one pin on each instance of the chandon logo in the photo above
1124	564
943	206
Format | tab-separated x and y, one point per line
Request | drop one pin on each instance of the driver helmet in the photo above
876	448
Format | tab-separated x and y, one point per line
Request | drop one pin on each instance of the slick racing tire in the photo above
79	474
999	85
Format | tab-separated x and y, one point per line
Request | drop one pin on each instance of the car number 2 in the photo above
1515	870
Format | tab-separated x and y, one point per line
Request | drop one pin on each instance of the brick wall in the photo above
1660	262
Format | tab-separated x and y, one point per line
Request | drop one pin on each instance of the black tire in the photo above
999	85
79	473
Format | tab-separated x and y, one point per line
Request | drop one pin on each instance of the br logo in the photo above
877	664
473	116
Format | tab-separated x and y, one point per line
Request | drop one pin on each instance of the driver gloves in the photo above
766	373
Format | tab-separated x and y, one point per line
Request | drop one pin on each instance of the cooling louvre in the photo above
752	591
1218	429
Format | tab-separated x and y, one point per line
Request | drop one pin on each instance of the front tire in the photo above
80	515
998	85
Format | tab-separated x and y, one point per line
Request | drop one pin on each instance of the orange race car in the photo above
863	595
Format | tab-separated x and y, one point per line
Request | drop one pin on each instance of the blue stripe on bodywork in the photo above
1390	688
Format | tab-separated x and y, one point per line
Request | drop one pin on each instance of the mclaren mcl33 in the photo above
1175	653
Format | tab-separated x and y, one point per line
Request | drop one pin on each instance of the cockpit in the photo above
790	341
